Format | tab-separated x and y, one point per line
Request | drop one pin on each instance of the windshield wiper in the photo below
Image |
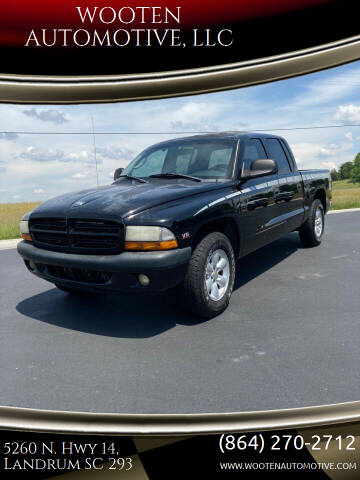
175	175
131	177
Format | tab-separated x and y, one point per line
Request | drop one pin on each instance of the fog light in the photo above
30	265
144	280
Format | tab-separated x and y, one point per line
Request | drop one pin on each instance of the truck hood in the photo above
122	199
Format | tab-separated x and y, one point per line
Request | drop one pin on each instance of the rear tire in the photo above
210	276
311	232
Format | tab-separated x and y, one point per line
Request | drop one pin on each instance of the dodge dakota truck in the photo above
179	215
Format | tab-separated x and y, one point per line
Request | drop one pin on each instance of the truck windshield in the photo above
212	159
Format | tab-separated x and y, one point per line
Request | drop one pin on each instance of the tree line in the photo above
348	171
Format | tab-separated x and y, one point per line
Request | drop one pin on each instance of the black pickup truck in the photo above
180	214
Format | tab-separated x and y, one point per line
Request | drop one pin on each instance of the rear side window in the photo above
253	150
289	154
276	152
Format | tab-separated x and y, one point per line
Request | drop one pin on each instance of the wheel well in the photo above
321	195
226	226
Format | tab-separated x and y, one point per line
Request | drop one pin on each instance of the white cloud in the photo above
329	165
304	152
53	115
348	113
325	152
79	176
195	116
315	155
114	156
82	156
326	89
39	190
40	154
331	150
349	136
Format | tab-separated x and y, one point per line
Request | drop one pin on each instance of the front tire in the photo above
311	232
210	276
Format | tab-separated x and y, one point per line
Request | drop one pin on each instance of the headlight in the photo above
24	228
149	238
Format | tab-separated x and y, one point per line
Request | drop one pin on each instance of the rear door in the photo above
257	203
289	198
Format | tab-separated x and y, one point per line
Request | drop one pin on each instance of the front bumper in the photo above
120	272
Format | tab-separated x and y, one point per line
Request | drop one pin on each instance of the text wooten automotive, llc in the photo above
104	30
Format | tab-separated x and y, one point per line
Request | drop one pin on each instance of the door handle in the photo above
260	202
284	196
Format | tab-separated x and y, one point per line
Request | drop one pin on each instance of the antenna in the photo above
95	157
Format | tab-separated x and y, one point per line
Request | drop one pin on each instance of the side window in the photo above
152	163
289	154
276	152
253	150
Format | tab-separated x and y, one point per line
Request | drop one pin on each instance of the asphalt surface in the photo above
290	338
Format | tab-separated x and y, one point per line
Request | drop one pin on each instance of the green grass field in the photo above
345	195
10	216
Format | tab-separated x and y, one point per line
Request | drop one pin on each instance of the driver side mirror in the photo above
261	168
117	173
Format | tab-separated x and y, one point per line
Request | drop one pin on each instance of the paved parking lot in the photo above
290	338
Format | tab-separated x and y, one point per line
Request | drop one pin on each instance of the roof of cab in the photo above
235	135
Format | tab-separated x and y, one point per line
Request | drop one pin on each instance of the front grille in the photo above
77	235
75	274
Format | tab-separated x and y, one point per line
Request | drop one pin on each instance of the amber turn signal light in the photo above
27	237
147	246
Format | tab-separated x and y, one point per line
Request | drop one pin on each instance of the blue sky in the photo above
37	167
